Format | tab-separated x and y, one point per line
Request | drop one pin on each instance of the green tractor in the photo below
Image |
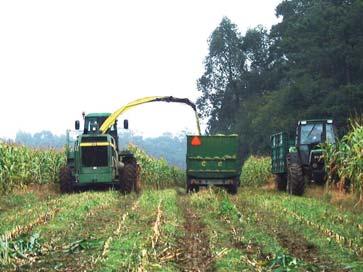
296	161
95	158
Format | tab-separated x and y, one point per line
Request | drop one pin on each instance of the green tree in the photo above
221	81
308	66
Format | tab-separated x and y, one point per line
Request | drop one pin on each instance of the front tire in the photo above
295	176
66	180
128	177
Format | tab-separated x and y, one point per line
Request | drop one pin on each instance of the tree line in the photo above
307	66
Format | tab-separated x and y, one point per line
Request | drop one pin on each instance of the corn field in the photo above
157	173
345	159
20	166
256	171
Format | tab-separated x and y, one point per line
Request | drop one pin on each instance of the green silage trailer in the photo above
213	160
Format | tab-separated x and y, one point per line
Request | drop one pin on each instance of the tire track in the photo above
293	241
195	254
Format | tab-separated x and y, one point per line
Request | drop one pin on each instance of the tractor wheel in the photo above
128	177
281	182
65	180
295	176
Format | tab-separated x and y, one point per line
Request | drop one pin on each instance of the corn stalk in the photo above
157	173
344	161
21	166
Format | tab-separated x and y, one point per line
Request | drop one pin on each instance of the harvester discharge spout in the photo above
113	117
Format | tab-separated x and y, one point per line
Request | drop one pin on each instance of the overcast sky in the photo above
59	58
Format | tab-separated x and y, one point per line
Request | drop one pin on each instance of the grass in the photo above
316	221
256	230
53	218
237	242
136	248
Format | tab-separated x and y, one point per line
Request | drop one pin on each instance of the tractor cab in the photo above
309	135
315	132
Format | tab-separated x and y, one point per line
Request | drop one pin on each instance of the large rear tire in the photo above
128	177
295	176
281	182
66	180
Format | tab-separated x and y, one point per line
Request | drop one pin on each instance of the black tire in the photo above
128	177
281	182
66	180
295	176
233	188
191	188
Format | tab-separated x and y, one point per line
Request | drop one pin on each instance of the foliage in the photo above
157	173
171	148
20	165
23	247
308	66
256	171
345	159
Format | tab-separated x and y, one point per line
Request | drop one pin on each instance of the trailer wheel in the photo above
191	187
65	180
233	188
128	177
295	176
281	182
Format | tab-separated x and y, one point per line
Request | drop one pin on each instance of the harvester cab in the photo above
293	164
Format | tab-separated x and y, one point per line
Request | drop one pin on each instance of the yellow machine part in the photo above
113	117
97	144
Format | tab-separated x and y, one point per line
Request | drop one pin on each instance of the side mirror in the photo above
76	124
126	124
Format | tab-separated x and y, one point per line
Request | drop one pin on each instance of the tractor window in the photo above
330	135
93	124
311	133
